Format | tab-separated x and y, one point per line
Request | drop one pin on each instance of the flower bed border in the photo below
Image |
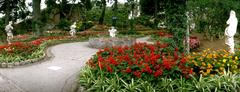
46	53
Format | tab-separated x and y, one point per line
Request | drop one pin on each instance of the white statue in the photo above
73	29
112	32
230	31
8	30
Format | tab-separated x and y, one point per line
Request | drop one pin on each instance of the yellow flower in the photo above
209	66
208	71
236	58
194	53
214	56
224	60
225	55
221	68
203	64
209	56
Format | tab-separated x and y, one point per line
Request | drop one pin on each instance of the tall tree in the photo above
115	7
11	8
36	16
104	4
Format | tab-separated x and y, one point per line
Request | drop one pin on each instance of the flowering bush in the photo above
210	62
194	42
141	60
19	51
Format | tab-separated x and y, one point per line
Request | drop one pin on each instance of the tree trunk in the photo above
155	13
114	17
155	8
187	40
7	12
36	16
101	19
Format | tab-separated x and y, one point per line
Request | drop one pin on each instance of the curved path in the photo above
54	75
57	74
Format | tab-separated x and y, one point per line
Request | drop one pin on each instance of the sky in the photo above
43	5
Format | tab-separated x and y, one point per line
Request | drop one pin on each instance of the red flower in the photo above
109	69
2	47
128	70
120	50
167	64
112	61
176	49
158	73
175	56
191	71
100	59
183	60
137	74
164	45
157	67
161	33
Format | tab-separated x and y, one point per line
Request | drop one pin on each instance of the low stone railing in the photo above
110	42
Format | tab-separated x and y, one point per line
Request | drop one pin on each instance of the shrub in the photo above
81	26
64	24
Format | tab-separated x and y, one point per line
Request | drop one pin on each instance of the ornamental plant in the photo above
19	51
209	62
141	60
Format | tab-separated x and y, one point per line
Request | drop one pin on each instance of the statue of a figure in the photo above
230	31
73	29
8	30
112	31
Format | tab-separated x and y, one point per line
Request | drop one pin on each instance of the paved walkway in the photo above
57	74
54	75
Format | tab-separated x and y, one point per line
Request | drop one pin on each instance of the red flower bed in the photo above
142	60
24	49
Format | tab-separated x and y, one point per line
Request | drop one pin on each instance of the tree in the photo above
104	4
177	20
115	7
12	8
36	16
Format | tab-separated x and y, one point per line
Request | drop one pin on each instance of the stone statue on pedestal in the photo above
73	29
112	32
8	30
230	31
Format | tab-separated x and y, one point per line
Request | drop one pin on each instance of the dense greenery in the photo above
210	16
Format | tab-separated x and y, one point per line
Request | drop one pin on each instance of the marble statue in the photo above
130	16
73	29
8	30
230	31
112	32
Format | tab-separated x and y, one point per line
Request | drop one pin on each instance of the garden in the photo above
186	49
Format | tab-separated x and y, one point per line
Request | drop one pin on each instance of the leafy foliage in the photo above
209	18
